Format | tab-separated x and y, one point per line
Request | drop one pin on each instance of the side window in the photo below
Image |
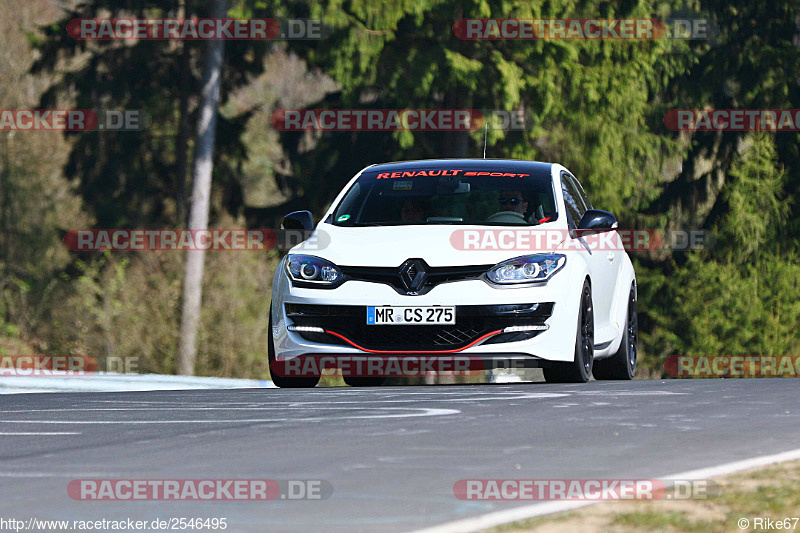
572	200
582	194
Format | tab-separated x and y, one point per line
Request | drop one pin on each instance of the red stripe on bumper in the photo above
473	343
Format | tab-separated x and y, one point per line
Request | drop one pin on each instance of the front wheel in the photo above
579	370
285	382
622	365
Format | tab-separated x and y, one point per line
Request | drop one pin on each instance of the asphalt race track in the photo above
392	455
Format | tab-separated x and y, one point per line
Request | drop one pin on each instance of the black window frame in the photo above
571	188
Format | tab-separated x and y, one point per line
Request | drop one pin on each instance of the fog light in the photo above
306	329
512	329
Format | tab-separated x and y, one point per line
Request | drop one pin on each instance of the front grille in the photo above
472	322
434	275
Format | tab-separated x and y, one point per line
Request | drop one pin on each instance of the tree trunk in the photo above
201	196
5	226
182	142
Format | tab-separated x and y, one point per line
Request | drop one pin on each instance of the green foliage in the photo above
131	179
592	105
595	106
741	297
127	306
757	212
710	307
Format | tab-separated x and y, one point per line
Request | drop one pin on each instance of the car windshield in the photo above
495	197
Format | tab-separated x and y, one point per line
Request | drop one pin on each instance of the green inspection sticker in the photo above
342	218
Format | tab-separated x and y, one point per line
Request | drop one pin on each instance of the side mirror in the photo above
301	220
597	220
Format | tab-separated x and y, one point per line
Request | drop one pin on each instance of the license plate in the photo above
386	315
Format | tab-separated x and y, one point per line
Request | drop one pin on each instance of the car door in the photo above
613	256
600	261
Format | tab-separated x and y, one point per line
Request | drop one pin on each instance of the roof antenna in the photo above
485	131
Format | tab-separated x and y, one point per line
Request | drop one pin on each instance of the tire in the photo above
282	381
622	365
580	368
354	381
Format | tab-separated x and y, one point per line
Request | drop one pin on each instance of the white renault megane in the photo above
488	259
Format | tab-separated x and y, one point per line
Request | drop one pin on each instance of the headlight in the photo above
310	269
527	269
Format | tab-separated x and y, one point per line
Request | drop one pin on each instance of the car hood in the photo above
437	245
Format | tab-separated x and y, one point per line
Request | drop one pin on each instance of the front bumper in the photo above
481	315
346	325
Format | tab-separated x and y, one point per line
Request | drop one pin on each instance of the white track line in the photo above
10	433
498	518
424	411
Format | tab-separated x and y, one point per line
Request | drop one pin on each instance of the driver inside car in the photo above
413	210
512	208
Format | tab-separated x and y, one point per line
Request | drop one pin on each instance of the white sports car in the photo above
491	260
